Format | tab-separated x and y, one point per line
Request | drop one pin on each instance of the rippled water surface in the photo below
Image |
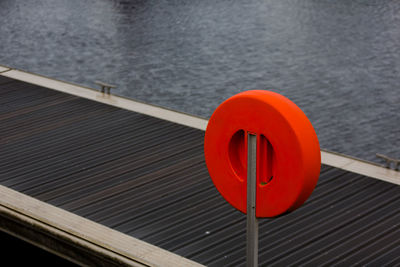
339	61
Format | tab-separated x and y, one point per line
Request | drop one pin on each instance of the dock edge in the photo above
337	160
75	238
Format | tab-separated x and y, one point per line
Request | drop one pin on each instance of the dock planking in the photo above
146	177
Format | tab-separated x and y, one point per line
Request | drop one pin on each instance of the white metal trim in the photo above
3	69
360	167
329	158
121	102
80	230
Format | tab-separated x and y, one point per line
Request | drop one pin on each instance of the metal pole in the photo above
252	221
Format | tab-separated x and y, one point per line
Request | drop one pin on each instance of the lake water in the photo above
339	61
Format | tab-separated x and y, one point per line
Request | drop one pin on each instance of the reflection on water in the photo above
338	60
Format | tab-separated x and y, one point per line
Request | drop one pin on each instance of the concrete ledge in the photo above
129	104
3	69
359	166
76	238
329	158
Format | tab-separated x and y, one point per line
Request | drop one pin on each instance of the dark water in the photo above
16	252
337	60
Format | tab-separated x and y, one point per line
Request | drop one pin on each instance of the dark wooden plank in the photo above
147	178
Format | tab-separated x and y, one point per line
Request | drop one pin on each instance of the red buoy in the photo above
288	152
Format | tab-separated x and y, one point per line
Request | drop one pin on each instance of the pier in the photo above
100	179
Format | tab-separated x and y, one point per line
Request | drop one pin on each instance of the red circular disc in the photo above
288	152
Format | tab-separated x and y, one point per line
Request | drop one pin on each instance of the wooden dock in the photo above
99	184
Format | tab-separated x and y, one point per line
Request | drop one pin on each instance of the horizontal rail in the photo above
359	166
389	161
76	238
4	69
105	86
337	160
117	101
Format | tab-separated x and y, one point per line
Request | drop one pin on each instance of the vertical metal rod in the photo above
252	221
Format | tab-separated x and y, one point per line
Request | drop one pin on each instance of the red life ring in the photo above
288	152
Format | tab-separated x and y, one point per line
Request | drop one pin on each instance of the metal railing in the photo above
105	86
390	161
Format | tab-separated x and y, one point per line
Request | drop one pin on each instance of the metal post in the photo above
252	221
